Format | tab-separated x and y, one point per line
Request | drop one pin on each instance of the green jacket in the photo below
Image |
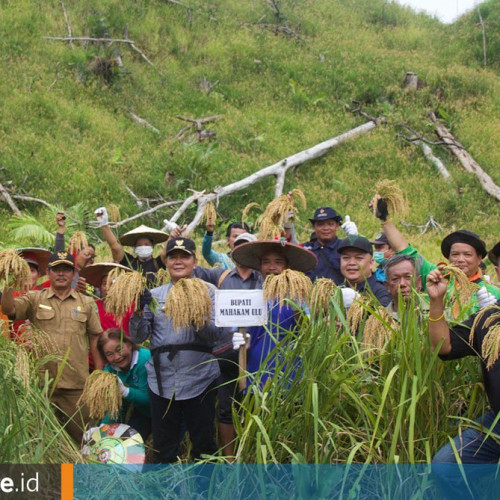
136	379
424	267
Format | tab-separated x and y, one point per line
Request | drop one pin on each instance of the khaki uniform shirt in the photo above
68	322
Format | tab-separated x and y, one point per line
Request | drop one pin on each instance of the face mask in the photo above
144	251
379	258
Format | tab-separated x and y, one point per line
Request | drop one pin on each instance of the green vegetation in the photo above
66	136
30	432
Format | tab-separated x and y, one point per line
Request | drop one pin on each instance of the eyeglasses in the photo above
118	351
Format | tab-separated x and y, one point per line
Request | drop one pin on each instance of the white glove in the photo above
101	214
124	390
289	219
169	226
485	298
239	340
349	227
348	296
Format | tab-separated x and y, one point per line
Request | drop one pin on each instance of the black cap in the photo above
357	242
463	236
325	213
380	239
183	244
61	258
494	253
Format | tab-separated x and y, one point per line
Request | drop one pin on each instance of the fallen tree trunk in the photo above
466	160
9	200
278	170
429	155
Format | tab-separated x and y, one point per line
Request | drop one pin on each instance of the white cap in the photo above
245	237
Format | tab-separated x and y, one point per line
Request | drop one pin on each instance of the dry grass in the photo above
188	304
102	395
14	270
355	314
246	210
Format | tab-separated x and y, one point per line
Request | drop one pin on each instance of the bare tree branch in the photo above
278	170
67	23
23	197
484	35
465	159
109	41
142	122
9	200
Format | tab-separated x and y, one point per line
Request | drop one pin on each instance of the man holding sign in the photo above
270	257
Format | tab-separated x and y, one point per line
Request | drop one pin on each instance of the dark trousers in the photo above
141	423
227	385
167	416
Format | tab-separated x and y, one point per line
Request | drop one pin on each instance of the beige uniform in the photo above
69	323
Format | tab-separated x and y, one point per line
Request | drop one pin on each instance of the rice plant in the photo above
335	399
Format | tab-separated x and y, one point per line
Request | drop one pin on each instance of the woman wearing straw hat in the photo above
142	239
270	258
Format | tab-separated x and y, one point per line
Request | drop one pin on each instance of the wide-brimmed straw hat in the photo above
250	254
36	256
95	272
129	239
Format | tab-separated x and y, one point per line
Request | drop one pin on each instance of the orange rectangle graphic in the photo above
66	481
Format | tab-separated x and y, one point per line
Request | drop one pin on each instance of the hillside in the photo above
281	78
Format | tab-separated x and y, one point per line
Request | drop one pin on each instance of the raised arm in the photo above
8	307
438	328
60	244
396	240
116	248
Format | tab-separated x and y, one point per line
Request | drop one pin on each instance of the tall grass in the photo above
29	429
348	403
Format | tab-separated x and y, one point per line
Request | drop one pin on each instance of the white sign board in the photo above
240	308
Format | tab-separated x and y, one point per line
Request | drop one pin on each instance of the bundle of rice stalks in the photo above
289	284
392	194
14	270
102	395
268	230
188	304
209	213
22	368
479	316
491	346
465	289
77	242
161	278
114	213
278	212
113	276
41	343
356	313
123	292
322	291
247	209
377	332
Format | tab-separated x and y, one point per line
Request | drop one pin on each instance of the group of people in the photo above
186	379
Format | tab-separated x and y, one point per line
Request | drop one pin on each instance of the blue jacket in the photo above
328	265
